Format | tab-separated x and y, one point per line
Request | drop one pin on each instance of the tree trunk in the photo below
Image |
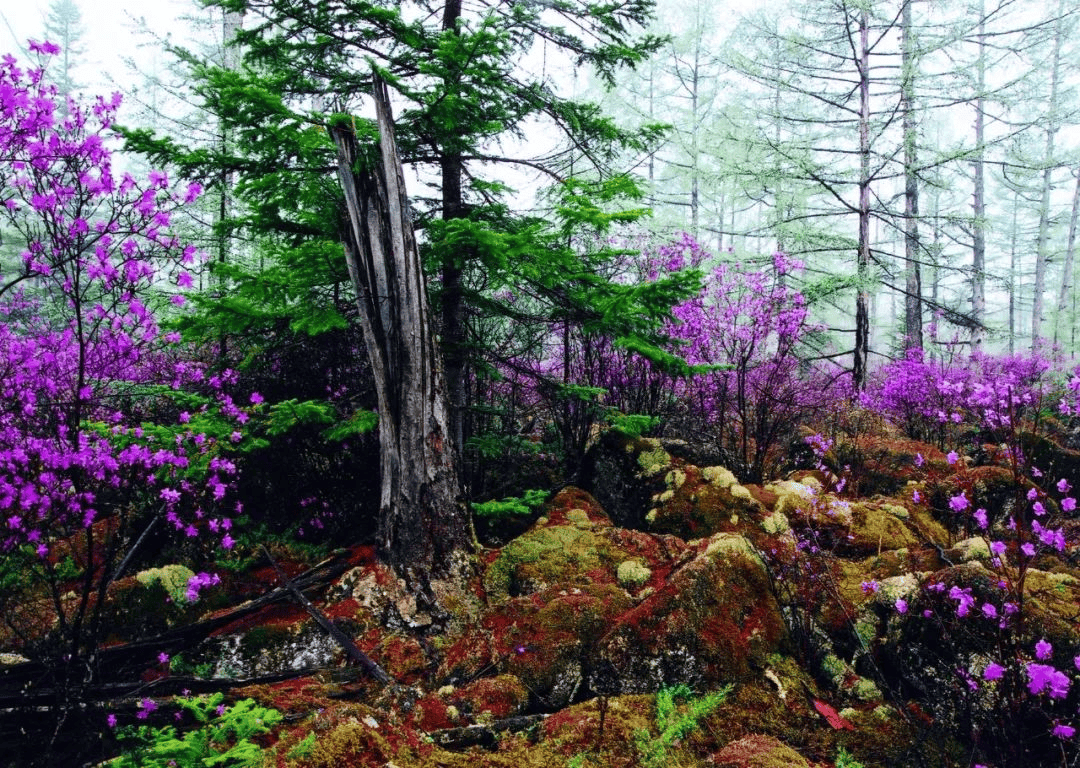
452	325
1043	249
913	335
423	527
862	296
1067	268
978	201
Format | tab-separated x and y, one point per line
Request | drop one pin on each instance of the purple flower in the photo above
163	658
1063	731
256	398
1028	549
989	610
1032	494
915	497
1043	650
959	502
901	605
952	457
1038	508
1068	504
1045	678
980	517
919	460
111	720
1063	485
997	547
869	587
993	671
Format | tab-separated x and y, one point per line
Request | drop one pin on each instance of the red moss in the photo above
403	658
501	696
431	713
276	615
570	498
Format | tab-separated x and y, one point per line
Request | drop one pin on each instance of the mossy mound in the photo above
758	751
574	544
491	698
877	464
881	525
546	640
695	503
714	620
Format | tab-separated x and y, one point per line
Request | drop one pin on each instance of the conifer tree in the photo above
466	103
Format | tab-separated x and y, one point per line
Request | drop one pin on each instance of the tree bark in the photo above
978	201
913	332
1043	249
862	295
423	527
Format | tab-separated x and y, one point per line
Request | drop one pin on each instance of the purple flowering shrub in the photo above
106	430
749	325
991	650
933	400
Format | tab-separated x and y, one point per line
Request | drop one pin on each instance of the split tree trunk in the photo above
423	527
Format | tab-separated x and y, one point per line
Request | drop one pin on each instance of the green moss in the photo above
721	477
652	459
552	554
775	523
675	479
172	578
632	574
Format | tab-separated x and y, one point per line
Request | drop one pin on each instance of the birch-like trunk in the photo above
862	296
913	331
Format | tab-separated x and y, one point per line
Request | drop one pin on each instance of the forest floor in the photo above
669	616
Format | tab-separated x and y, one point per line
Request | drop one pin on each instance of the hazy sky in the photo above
112	33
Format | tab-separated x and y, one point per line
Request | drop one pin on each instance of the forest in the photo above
543	383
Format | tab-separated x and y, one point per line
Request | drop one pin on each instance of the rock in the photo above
758	751
495	697
713	621
697	503
624	474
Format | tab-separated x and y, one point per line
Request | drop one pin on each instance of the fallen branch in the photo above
346	642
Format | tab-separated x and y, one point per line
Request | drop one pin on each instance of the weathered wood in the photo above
423	525
352	649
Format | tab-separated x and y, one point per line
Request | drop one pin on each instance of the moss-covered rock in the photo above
714	620
758	751
492	698
624	474
696	503
568	546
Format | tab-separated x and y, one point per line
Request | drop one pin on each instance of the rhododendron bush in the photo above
95	443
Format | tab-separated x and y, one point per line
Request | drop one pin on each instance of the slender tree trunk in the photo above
451	167
913	335
423	528
1043	249
978	201
862	296
1070	251
1014	278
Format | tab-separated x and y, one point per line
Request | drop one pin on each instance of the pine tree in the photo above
465	104
64	26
